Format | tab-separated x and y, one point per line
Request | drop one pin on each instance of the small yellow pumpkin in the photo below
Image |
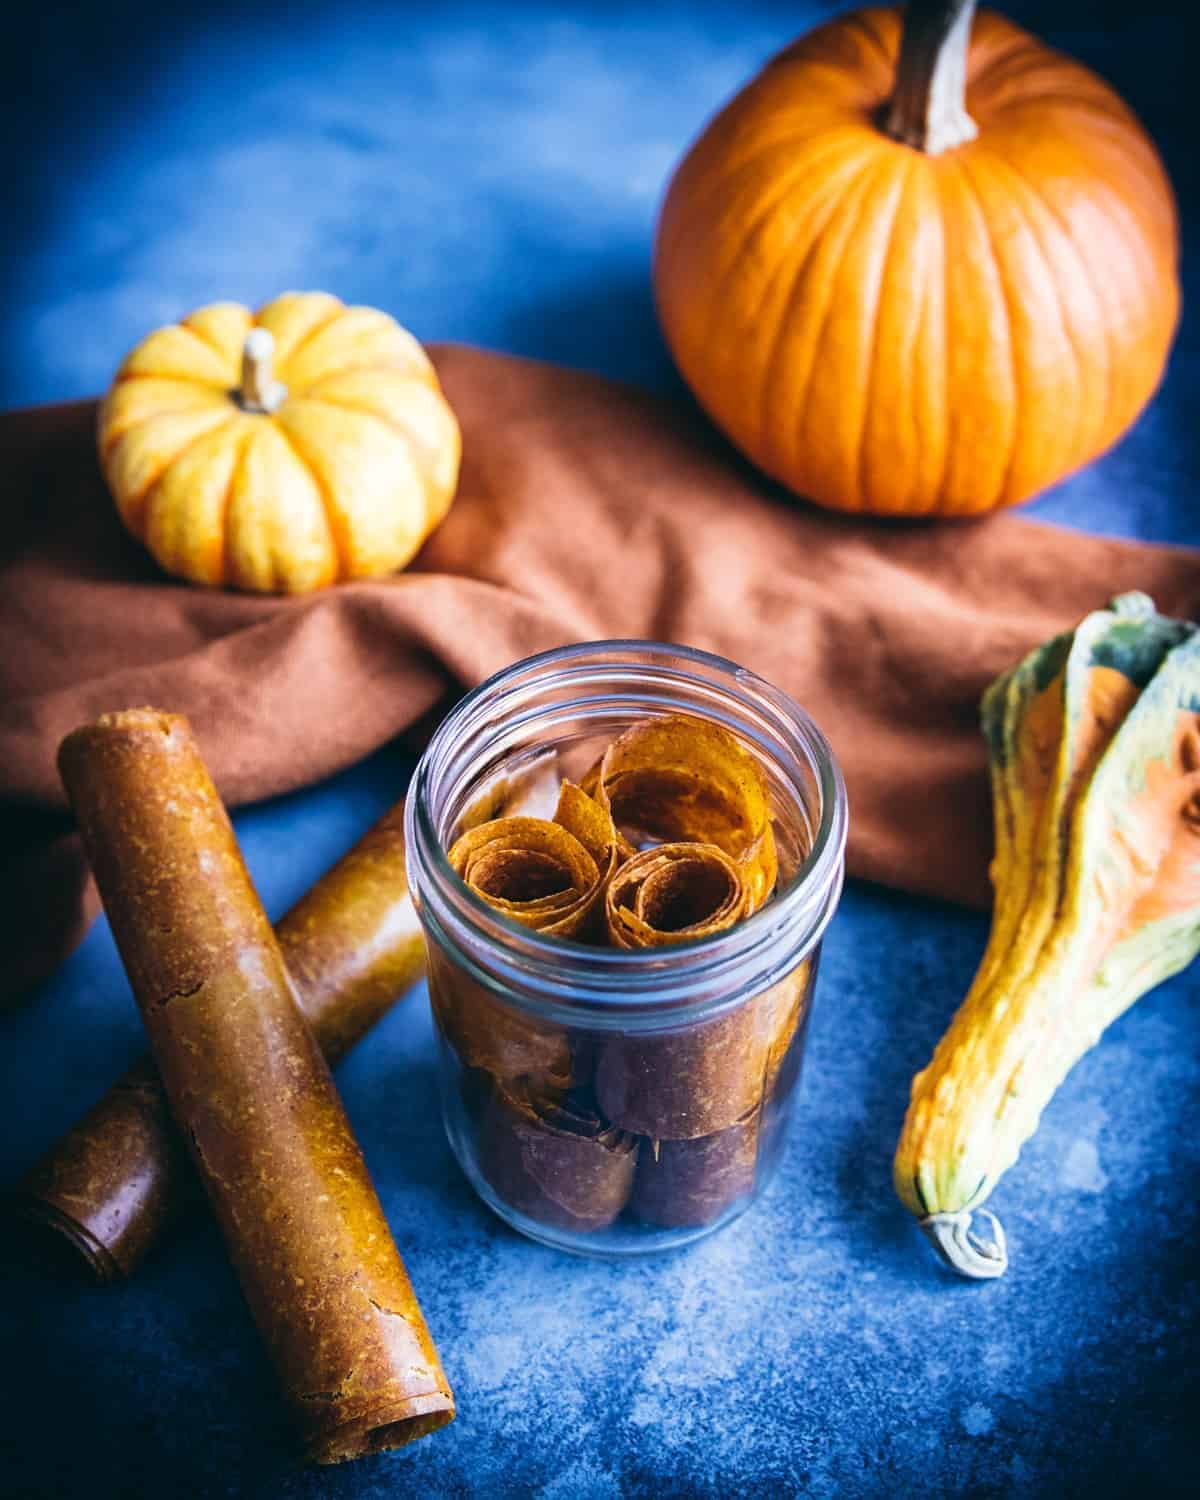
281	451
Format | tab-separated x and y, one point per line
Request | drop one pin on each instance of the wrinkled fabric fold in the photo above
586	510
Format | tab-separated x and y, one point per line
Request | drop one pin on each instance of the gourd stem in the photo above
928	107
964	1252
259	390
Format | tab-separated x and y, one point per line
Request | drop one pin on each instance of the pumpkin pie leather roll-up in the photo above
706	1075
686	1183
701	1078
118	1178
492	1037
546	874
689	1182
251	1093
681	779
549	875
558	1163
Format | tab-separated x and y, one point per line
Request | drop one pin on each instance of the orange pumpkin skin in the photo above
908	334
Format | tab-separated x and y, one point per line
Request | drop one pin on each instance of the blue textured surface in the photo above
490	174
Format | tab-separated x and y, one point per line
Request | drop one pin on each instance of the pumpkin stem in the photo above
928	105
259	391
964	1252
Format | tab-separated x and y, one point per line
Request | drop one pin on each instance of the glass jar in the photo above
600	1099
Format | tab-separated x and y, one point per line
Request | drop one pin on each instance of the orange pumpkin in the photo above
283	450
920	267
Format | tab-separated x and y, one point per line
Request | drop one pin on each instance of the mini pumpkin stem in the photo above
259	391
928	107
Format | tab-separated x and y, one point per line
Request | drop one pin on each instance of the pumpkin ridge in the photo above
1125	223
209	343
1093	95
310	392
937	495
1122	221
841	125
1085	265
1001	58
204	344
834	138
282	360
784	269
829	203
337	533
976	198
1079	450
109	442
857	21
850	223
134	507
1068	82
141	502
901	192
228	570
762	214
943	276
367	411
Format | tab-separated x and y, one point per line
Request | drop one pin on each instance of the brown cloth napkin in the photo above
586	510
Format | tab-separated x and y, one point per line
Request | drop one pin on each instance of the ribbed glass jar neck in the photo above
599	689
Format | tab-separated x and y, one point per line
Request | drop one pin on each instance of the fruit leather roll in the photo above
681	779
549	875
688	1183
489	1036
251	1092
707	1075
678	1085
120	1176
556	1162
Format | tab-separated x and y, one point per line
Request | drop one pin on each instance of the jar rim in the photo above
569	976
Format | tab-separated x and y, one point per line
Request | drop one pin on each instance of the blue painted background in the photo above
490	173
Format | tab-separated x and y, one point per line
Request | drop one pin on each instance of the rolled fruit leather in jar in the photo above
691	1181
679	776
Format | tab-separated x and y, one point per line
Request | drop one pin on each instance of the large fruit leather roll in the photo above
120	1175
251	1093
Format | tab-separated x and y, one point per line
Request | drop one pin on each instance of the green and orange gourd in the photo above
1094	747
